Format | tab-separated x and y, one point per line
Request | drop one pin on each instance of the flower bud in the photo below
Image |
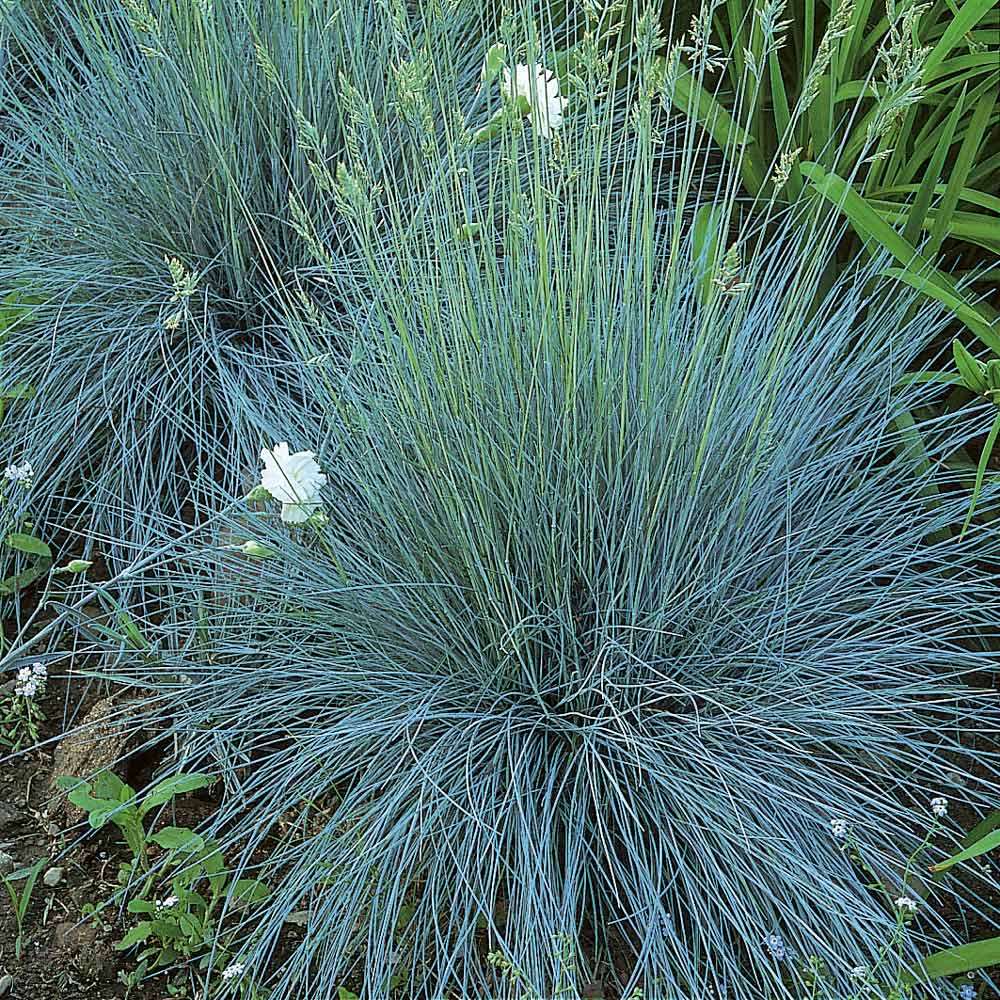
257	550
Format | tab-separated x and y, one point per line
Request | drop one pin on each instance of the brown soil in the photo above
62	957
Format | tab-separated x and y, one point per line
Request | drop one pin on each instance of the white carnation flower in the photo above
540	88
294	480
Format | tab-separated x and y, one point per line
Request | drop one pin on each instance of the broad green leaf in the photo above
29	544
970	13
954	300
165	790
178	838
991	440
706	247
919	273
963	958
136	935
988	843
972	371
691	98
248	891
107	785
918	210
967	152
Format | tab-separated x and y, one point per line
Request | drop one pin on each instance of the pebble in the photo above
52	877
6	863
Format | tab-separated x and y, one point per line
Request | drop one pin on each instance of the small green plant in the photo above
107	798
180	899
21	900
183	925
19	725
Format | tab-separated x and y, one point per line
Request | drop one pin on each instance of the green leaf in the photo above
963	958
972	371
178	838
107	785
918	271
20	391
691	98
496	59
165	790
706	239
249	891
988	843
29	544
918	210
954	300
968	14
991	440
136	935
967	153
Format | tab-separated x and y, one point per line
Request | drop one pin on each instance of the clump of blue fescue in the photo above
634	580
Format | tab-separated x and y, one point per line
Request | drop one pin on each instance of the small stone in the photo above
6	983
53	877
6	863
9	816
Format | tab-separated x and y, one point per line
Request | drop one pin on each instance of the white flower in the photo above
859	972
939	806
838	827
234	970
540	88
22	474
293	480
906	903
166	904
30	680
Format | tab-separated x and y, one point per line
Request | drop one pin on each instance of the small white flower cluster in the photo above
234	970
22	474
906	903
939	806
294	480
838	827
30	680
166	904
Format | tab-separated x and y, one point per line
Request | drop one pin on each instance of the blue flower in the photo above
967	992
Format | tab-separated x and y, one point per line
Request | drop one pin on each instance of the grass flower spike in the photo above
294	480
538	87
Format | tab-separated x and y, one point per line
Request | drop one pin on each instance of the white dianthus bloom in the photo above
540	88
294	480
939	806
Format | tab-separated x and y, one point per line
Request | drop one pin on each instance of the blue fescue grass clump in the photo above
170	205
636	572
